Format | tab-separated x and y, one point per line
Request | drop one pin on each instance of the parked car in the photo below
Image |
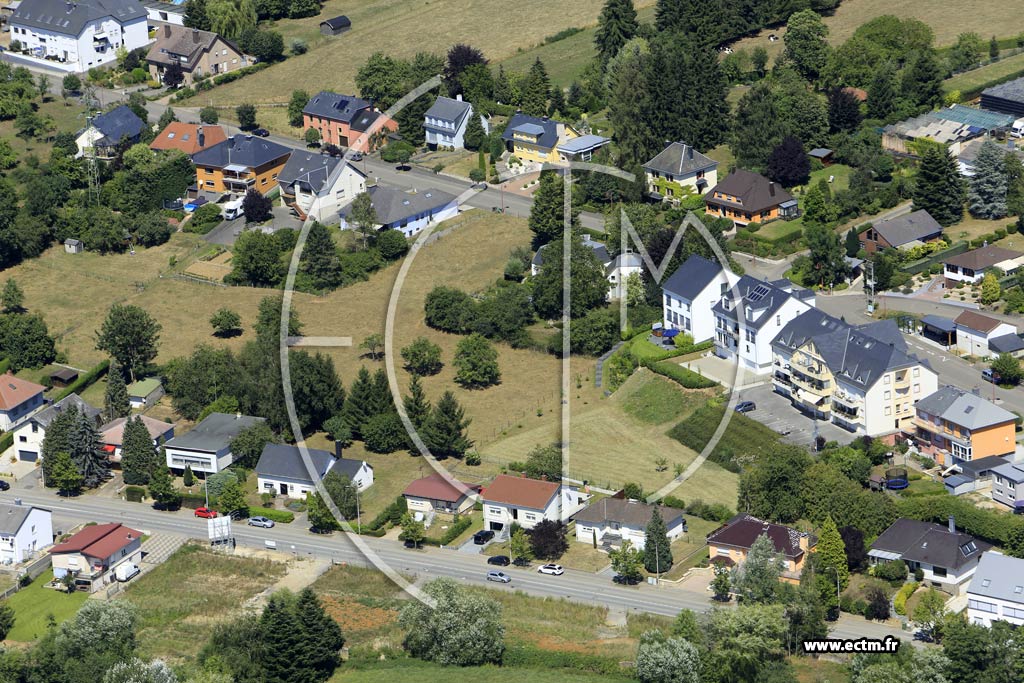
4	486
553	569
500	577
924	635
481	537
500	560
261	133
990	375
411	544
261	521
205	513
745	406
356	156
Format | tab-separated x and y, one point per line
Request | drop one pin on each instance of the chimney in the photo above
952	524
771	188
167	31
201	136
195	35
458	97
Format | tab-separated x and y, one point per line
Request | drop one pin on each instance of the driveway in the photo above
778	414
725	372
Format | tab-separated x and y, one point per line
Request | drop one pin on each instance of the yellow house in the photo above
954	426
534	140
729	544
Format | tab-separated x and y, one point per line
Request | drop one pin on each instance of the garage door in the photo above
28	456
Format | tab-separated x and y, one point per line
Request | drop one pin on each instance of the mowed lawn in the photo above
190	592
399	28
970	80
34	604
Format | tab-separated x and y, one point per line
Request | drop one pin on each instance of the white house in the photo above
282	471
112	434
207	447
612	521
527	502
970	267
446	121
691	292
861	378
316	185
751	314
19	398
947	557
29	435
974	331
160	13
24	531
407	212
678	171
616	269
82	34
996	591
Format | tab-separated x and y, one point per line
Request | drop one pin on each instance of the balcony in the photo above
809	383
847	399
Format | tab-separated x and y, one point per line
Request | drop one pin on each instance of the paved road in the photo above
431	562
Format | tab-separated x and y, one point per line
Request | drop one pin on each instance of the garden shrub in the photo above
134	494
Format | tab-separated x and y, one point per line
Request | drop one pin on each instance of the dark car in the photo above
261	133
409	543
4	486
626	580
924	635
500	560
745	406
481	537
356	156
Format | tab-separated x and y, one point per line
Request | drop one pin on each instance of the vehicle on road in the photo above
411	544
990	375
745	407
626	580
553	569
481	537
4	486
356	156
261	133
125	571
924	635
233	209
205	513
499	560
261	522
500	577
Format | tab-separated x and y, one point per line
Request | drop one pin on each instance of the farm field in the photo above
332	63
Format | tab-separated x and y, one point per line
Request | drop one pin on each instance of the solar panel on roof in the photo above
760	292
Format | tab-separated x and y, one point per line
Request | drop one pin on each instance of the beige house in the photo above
199	53
436	495
92	555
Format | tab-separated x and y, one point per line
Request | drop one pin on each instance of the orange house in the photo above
729	544
343	119
747	197
238	163
954	426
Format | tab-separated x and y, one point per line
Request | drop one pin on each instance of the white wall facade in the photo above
84	49
499	516
446	133
200	461
9	418
975	343
754	347
28	441
342	187
635	535
36	533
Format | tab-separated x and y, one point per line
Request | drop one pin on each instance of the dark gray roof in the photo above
13	516
447	109
174	42
628	512
916	225
241	150
691	278
47	415
392	205
548	128
859	355
1000	577
1008	343
331	105
964	408
982	466
347	467
364	119
117	124
599	248
957	480
819	152
72	17
310	170
337	22
763	298
1011	90
679	159
939	323
756	192
1008	470
930	543
283	461
214	433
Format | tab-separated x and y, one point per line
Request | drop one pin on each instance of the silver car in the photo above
500	577
261	521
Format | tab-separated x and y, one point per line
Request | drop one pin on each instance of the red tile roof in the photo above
14	391
437	487
100	540
185	137
520	491
977	321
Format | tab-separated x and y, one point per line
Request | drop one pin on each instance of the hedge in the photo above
283	516
921	265
989	525
84	381
134	494
454	531
967	95
676	372
899	603
5	365
6	441
192	501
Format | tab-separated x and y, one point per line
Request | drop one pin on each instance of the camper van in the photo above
1017	130
233	209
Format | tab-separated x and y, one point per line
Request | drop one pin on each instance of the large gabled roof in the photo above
14	391
392	205
544	128
47	415
214	433
437	487
241	150
976	321
99	541
1000	577
901	230
117	124
929	543
71	18
679	158
631	513
742	530
185	137
310	170
281	461
693	277
331	105
761	297
984	257
755	192
447	109
520	492
964	408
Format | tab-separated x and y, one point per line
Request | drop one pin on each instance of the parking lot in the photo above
778	414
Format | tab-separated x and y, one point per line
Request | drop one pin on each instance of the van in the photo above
1017	129
125	571
233	209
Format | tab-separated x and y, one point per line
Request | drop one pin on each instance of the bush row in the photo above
921	265
84	381
899	603
687	378
5	365
282	516
134	494
989	525
453	532
970	94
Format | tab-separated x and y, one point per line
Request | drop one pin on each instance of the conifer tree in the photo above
657	549
57	440
852	242
475	135
320	259
882	92
85	452
12	298
536	87
986	194
284	661
670	15
502	87
445	432
115	397
139	456
356	410
628	103
381	401
161	487
843	111
324	638
615	26
938	187
417	407
831	551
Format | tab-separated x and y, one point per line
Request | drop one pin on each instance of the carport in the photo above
940	330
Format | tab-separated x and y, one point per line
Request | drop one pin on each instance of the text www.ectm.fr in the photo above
834	645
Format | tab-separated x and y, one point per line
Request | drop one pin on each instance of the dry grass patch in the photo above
214	269
194	589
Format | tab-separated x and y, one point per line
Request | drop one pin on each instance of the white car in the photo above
555	569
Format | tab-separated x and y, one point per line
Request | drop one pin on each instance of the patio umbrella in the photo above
670	333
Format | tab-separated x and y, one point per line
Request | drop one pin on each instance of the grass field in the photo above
415	670
972	80
971	228
34	604
191	591
400	28
69	117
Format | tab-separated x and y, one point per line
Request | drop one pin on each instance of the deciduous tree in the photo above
806	45
256	259
226	323
667	660
757	579
12	298
476	363
461	629
627	562
422	357
788	164
130	335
